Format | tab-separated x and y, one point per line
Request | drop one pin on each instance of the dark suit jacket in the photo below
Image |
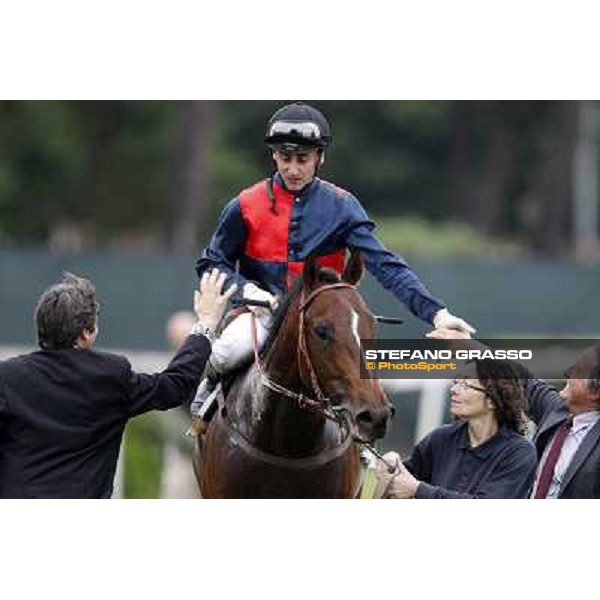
547	411
63	412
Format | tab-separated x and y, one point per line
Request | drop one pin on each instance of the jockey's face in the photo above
297	170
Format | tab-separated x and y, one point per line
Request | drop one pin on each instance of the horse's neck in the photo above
280	425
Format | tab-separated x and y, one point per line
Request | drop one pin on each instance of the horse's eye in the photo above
323	331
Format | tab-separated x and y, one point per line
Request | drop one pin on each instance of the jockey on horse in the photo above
271	228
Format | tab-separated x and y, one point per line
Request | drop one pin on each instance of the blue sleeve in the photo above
419	463
226	245
511	477
391	270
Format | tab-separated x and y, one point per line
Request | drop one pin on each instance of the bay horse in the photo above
288	424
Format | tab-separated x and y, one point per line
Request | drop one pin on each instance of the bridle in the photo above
320	403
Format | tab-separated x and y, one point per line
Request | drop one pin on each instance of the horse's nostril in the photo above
392	411
365	417
372	424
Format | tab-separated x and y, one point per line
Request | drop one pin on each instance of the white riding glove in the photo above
253	292
445	320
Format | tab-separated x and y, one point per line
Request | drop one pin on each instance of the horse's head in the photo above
334	319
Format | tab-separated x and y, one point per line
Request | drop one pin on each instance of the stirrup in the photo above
205	403
203	413
206	396
211	404
203	409
204	393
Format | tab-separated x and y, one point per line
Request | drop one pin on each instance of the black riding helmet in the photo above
298	127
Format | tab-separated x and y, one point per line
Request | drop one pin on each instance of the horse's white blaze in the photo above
355	327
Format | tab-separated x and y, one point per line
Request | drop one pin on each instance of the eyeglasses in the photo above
307	131
463	383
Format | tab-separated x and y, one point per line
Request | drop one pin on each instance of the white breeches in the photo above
234	347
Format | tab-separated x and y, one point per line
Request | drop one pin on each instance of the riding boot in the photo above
205	403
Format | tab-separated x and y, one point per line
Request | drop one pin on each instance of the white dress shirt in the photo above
582	424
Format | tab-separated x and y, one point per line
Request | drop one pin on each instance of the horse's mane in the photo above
325	276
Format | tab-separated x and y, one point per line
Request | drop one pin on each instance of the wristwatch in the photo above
199	329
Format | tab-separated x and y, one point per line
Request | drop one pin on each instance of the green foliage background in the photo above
143	456
109	168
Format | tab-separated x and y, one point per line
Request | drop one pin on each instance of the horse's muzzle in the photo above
373	423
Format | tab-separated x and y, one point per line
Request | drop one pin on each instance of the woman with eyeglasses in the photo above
485	453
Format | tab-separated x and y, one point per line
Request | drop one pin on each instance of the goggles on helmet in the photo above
309	132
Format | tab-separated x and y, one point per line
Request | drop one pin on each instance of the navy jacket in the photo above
270	238
448	467
548	412
63	412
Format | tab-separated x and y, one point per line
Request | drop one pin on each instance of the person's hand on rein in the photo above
402	484
209	302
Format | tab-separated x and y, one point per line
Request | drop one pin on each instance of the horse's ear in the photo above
310	272
354	268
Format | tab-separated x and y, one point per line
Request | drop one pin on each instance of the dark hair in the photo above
594	375
64	310
504	385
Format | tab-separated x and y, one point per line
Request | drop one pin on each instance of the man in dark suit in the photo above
569	422
63	408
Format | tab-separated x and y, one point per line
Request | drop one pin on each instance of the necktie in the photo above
548	469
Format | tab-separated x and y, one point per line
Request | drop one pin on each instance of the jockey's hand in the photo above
253	292
448	334
209	302
445	320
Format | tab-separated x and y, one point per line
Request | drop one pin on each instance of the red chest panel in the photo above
268	230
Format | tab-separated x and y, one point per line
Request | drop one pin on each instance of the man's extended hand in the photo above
209	302
253	292
445	320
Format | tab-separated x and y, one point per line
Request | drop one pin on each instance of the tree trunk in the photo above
497	171
460	172
191	170
545	209
479	184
